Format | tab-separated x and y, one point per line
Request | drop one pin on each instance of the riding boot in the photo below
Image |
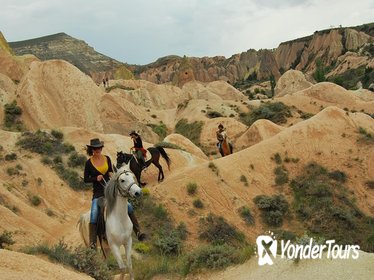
141	236
93	235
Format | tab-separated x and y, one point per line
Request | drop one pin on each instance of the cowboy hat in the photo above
96	143
133	133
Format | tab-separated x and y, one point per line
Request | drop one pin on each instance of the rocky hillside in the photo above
337	52
77	52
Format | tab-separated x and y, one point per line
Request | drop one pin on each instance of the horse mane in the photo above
110	189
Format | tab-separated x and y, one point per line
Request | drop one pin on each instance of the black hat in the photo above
96	143
133	133
220	125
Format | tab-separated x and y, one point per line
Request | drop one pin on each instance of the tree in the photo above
272	84
319	74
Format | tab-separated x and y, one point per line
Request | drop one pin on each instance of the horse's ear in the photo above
114	168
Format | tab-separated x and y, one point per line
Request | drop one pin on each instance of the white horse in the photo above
118	224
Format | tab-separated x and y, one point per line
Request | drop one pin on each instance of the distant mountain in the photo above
331	50
63	46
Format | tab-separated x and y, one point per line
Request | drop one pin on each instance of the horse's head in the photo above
122	158
126	183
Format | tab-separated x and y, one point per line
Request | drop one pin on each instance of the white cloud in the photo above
142	31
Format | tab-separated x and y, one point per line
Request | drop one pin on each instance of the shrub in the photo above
168	145
76	160
190	130
169	243
246	215
338	176
71	177
277	158
57	134
141	248
191	188
10	157
212	257
35	200
276	112
84	260
321	202
12	113
281	175
213	167
11	171
217	231
213	114
6	239
272	208
244	180
197	203
160	129
370	184
43	143
366	137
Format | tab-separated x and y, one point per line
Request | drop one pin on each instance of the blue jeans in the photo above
95	210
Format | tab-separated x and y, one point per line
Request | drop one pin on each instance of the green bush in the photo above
71	177
10	157
168	145
82	259
169	243
76	160
323	204
11	171
278	158
217	231
246	215
43	143
57	134
6	239
276	112
35	200
281	175
213	167
160	129
191	131
273	208
12	114
338	176
244	180
197	203
211	257
191	188
213	114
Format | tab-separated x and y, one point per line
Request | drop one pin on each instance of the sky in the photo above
140	31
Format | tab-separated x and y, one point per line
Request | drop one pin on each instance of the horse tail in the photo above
164	155
82	226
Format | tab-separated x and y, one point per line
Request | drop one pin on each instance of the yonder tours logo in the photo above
267	248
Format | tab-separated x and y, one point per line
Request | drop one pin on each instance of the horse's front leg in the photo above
117	254
128	247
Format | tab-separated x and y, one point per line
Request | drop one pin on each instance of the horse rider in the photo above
98	170
140	152
221	136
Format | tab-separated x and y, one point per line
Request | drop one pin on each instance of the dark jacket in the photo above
138	143
90	176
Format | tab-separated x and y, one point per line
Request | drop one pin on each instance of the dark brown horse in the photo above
136	168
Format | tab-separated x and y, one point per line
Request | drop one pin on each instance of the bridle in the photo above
122	192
